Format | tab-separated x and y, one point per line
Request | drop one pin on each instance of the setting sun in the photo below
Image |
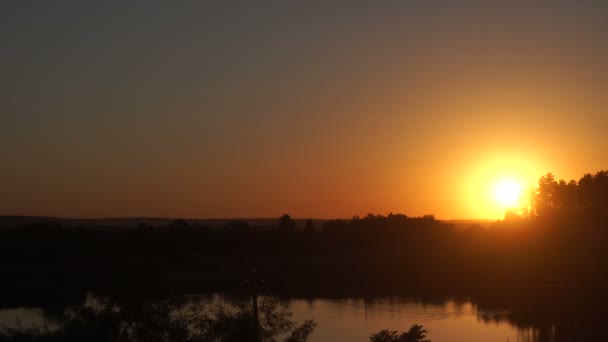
507	193
499	181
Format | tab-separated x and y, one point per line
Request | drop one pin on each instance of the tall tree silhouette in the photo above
545	194
286	224
553	197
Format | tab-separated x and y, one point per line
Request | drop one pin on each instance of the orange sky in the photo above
315	109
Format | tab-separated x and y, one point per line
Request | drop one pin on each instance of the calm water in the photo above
356	319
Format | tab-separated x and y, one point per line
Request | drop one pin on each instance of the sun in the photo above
500	182
507	193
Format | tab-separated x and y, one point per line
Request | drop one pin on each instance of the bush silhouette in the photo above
417	333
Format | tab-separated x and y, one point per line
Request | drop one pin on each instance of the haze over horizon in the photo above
316	109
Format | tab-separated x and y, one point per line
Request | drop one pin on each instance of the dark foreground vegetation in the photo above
236	320
167	321
553	254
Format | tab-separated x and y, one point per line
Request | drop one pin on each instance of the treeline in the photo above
587	196
182	257
49	240
561	244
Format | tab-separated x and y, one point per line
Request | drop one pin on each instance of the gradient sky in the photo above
313	108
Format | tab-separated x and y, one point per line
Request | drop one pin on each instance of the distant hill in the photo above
16	221
7	222
467	223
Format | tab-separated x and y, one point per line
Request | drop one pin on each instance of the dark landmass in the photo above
125	223
550	260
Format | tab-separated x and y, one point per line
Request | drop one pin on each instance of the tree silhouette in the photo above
165	321
310	226
287	224
417	333
553	197
545	194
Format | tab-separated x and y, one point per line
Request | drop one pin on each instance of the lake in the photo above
356	319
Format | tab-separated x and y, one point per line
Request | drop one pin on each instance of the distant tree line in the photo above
564	241
552	197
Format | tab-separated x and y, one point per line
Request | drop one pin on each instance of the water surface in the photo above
356	319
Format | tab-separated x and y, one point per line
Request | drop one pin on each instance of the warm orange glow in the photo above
280	114
507	193
498	181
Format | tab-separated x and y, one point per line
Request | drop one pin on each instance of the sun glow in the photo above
507	193
500	181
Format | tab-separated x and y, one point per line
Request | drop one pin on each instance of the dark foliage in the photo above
286	224
159	322
417	333
588	196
